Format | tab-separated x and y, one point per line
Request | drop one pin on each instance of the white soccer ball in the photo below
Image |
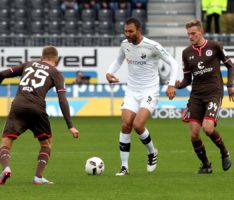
94	166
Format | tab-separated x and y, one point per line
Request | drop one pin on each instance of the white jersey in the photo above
142	59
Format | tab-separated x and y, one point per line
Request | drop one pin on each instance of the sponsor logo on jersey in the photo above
200	65
203	70
136	62
209	52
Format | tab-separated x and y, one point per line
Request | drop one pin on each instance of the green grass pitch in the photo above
174	178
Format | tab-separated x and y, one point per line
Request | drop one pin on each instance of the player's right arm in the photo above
114	67
187	74
63	103
11	72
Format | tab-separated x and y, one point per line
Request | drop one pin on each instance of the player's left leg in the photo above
6	144
144	135
43	158
208	127
210	119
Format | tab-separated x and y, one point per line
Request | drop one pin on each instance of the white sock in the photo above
124	155
150	146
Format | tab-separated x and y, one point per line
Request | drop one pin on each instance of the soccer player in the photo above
202	68
28	109
142	56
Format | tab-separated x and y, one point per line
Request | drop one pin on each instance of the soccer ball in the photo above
94	166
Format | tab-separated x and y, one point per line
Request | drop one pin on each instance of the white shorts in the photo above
135	100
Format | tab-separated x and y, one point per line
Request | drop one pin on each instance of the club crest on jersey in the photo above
143	56
209	52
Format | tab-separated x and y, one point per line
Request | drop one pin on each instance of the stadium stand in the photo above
4	4
119	28
140	14
105	28
55	14
166	19
37	14
87	28
105	15
163	20
37	4
54	28
139	4
71	15
54	4
4	28
37	28
4	32
20	14
20	4
20	32
20	27
38	20
88	33
4	14
71	28
69	5
88	15
121	15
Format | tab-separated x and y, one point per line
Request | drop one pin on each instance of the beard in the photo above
133	39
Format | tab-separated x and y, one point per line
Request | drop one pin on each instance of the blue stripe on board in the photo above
72	74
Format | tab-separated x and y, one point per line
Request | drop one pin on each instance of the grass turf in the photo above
174	178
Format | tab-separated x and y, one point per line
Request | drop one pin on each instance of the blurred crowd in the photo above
127	7
103	4
66	17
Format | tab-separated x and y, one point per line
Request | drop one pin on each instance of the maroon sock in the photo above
200	150
5	156
217	139
43	158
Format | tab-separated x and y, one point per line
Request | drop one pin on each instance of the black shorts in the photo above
21	119
200	109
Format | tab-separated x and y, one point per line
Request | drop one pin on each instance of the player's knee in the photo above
46	144
126	127
194	135
208	129
6	142
138	127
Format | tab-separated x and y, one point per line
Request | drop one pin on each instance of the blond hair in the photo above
49	53
192	23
